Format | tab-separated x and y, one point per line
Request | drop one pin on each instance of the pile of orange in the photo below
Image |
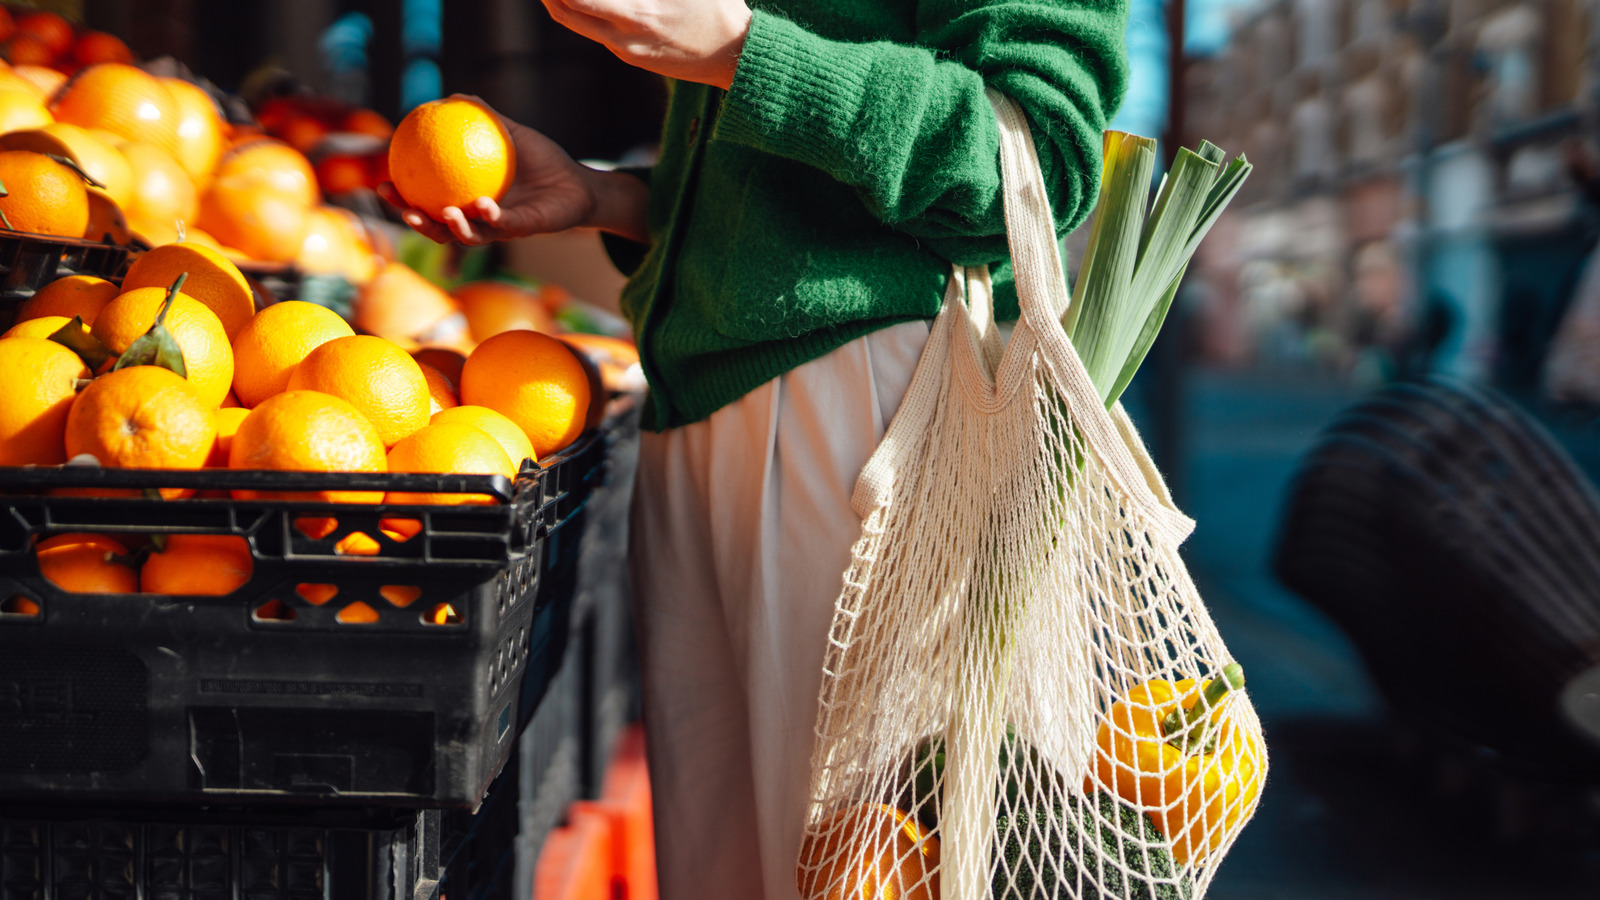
188	564
291	387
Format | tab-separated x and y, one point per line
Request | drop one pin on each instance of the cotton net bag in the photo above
1023	695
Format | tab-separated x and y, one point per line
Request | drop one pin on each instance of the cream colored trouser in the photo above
742	528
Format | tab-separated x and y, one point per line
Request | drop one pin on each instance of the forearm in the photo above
621	202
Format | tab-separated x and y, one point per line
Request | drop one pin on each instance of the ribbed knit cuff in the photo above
794	93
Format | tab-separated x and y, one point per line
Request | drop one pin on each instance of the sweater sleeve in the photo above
908	126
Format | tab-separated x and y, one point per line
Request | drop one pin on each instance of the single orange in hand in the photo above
74	295
83	564
308	431
209	564
40	378
42	195
207	357
142	417
213	280
374	376
535	381
275	341
451	448
450	152
502	429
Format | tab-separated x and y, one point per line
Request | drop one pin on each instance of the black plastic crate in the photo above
31	261
263	697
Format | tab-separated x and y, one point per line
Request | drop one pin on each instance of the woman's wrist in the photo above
621	203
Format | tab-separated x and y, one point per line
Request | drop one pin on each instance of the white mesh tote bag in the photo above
1023	695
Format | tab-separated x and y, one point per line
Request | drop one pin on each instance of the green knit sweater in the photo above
825	195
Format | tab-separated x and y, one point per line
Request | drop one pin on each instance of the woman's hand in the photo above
551	192
690	40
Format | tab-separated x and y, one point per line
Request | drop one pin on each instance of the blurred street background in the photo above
1425	202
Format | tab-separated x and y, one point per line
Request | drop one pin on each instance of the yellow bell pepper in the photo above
1168	750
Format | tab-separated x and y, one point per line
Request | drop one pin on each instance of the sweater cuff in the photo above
789	85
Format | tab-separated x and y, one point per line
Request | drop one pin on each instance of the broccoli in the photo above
1039	856
1044	870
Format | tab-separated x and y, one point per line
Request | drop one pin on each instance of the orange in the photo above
83	564
11	80
142	417
339	173
869	850
231	401
43	196
614	356
162	191
123	100
98	159
441	393
366	121
74	295
401	305
20	111
336	244
8	25
213	280
495	306
450	152
40	379
303	133
98	47
228	419
449	447
42	327
46	79
308	431
199	134
535	381
30	50
374	376
106	221
52	29
207	357
251	217
268	348
212	564
446	360
502	429
275	165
